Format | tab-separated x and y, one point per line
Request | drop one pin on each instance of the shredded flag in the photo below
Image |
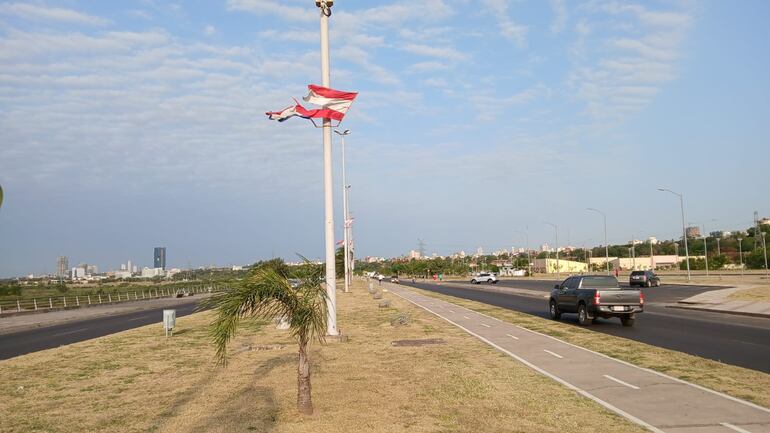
340	242
334	104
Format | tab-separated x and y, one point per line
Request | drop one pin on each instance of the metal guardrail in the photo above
77	301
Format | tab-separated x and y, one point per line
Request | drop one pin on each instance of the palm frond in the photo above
268	294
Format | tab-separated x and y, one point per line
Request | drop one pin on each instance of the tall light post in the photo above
606	246
684	230
740	254
652	256
345	211
764	246
529	258
324	8
558	267
706	255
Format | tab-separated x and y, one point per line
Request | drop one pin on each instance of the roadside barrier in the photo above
29	305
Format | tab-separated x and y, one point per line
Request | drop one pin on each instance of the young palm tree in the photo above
267	294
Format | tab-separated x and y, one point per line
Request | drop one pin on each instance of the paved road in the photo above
658	402
20	343
736	340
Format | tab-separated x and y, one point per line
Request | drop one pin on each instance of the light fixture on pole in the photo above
684	230
324	7
345	213
558	267
606	246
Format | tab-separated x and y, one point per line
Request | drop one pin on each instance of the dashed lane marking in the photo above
553	353
620	381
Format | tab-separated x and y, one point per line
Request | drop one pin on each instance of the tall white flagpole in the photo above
331	282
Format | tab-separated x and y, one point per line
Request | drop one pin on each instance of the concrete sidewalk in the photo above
718	301
653	400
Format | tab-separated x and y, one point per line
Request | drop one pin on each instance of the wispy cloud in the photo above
559	16
36	12
509	29
432	51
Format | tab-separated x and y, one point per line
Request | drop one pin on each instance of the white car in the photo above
484	277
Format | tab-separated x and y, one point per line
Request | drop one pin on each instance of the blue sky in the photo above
134	124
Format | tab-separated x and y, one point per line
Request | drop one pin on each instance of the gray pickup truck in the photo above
592	296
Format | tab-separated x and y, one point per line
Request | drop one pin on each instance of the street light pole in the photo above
529	259
740	254
558	266
706	254
764	246
606	246
324	7
684	230
345	212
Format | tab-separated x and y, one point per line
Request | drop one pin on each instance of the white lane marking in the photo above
484	324
720	394
552	353
729	397
734	427
580	391
620	381
467	317
512	336
68	332
451	311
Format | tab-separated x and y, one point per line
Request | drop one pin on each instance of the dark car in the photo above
592	296
644	278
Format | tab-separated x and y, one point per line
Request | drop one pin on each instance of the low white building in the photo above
152	272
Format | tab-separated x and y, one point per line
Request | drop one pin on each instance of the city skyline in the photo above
141	124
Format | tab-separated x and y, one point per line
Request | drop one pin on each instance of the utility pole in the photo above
764	246
684	230
606	245
740	254
324	7
345	213
558	266
706	254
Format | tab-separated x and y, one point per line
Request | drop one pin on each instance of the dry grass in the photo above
139	381
759	293
739	382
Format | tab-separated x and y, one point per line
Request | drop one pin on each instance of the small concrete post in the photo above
118	296
136	296
77	301
35	301
142	294
50	303
89	299
64	298
18	305
109	298
100	298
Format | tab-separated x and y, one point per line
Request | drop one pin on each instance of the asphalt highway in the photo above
28	341
737	340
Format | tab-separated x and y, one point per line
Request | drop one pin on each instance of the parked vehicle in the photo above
484	277
394	279
592	296
644	278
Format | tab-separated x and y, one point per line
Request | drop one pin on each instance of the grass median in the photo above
739	382
138	381
758	293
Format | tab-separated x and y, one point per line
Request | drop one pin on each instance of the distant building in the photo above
78	272
764	221
653	240
154	272
720	234
412	254
545	248
693	232
129	268
62	266
159	258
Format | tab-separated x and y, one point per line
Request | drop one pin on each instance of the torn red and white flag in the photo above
334	105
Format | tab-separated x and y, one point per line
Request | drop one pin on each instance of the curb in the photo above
715	310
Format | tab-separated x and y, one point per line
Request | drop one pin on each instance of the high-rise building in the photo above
159	259
62	266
